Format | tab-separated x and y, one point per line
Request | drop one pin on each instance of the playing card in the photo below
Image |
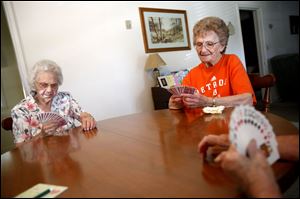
180	89
213	109
245	124
51	117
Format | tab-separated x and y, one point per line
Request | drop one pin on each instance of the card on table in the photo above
246	123
42	191
213	109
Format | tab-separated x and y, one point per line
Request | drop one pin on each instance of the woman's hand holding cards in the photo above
49	127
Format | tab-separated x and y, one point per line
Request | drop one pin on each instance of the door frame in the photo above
259	37
17	45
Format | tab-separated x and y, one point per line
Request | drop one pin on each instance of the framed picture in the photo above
166	81
164	30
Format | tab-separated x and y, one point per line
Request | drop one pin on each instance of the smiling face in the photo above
209	48
46	86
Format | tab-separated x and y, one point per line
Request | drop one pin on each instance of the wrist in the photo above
85	114
213	101
267	188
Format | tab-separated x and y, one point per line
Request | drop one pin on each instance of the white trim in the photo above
17	44
260	39
239	28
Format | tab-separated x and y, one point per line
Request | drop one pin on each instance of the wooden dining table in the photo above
149	154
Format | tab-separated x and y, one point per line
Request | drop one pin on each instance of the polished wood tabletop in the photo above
150	154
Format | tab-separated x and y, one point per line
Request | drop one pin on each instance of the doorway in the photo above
249	41
11	86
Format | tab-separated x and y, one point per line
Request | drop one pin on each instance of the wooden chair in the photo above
6	123
265	82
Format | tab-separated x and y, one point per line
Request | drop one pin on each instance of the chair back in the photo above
6	123
266	82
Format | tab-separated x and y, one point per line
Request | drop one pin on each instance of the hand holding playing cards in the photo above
213	140
253	173
50	122
49	127
195	100
87	121
175	102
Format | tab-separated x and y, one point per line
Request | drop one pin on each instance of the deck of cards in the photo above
51	117
245	124
180	89
213	109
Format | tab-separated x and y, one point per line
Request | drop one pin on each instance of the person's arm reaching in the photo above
254	174
198	100
288	147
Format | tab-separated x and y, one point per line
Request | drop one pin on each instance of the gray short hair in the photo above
212	24
45	66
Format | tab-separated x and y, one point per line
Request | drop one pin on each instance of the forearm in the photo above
234	100
261	185
288	147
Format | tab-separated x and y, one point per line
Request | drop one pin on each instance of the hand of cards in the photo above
179	89
51	117
245	124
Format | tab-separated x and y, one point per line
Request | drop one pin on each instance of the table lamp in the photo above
153	62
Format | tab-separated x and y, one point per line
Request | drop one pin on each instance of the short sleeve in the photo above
24	126
76	109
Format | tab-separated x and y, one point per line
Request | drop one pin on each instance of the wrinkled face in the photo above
209	48
46	86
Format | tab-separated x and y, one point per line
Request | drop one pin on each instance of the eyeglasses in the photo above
45	85
209	45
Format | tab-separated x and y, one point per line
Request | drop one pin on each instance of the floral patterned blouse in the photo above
24	115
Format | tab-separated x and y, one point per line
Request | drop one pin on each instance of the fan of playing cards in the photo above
245	124
179	89
51	117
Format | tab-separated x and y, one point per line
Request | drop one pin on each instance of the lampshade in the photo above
154	61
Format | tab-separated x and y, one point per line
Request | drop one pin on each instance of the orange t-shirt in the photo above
228	77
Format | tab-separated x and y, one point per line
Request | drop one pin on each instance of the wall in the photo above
102	62
276	25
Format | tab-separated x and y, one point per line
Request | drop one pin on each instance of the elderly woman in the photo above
220	78
44	97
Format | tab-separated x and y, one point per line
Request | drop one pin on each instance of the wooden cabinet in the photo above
160	97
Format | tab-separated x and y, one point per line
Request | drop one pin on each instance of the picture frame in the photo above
166	81
164	30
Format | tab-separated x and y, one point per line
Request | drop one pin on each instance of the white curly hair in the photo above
45	66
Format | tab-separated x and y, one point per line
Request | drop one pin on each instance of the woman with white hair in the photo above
44	97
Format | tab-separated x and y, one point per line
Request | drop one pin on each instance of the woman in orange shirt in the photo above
221	78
